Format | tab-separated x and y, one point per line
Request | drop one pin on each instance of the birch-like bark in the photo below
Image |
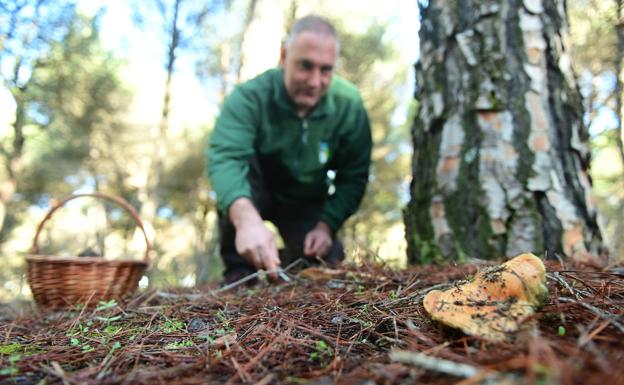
501	154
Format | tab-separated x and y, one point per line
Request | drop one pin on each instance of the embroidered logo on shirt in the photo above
323	152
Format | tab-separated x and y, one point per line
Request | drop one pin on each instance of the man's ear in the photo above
282	59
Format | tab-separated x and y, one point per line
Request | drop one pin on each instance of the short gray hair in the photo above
312	23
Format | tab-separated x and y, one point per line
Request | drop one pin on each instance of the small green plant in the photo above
561	330
109	319
225	322
393	295
10	348
209	339
170	326
364	323
89	331
322	352
14	349
111	330
176	345
80	329
11	370
103	305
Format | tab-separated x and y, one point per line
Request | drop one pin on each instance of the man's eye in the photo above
326	69
306	65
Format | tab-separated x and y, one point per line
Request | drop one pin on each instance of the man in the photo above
277	137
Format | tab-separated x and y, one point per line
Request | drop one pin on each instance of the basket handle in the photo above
121	202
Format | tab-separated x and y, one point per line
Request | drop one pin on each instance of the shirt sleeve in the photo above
352	168
230	147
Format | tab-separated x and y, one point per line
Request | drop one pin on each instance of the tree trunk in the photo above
151	199
14	156
501	154
618	242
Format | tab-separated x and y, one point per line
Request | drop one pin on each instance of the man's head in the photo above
308	56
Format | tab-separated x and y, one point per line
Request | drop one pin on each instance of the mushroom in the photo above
496	303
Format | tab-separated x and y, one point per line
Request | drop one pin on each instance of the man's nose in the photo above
315	78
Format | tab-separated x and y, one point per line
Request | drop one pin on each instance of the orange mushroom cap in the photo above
496	302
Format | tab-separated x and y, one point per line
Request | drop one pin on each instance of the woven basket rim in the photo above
34	250
84	260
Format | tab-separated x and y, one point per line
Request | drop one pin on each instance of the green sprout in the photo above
322	352
172	326
11	370
103	305
116	346
111	330
227	328
561	331
10	348
179	345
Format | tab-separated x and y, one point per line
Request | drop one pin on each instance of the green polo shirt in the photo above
295	154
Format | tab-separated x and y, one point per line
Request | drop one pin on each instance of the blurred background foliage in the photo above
597	42
79	114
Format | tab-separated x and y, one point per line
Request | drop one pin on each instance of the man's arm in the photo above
230	148
228	154
254	241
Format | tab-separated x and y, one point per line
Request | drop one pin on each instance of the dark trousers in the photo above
293	221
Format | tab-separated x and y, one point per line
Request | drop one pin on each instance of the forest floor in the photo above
357	325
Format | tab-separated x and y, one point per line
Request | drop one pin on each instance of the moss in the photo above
11	348
466	215
16	348
421	247
518	85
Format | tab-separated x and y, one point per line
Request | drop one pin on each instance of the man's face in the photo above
308	68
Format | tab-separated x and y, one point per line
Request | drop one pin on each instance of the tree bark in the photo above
501	155
151	199
618	242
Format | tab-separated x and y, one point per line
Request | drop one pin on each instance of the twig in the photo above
557	277
605	315
558	259
266	380
57	370
145	374
242	374
419	293
189	297
439	365
9	330
239	282
260	273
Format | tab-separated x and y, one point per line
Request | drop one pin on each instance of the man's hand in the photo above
254	241
318	241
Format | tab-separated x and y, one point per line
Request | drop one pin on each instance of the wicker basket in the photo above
59	282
